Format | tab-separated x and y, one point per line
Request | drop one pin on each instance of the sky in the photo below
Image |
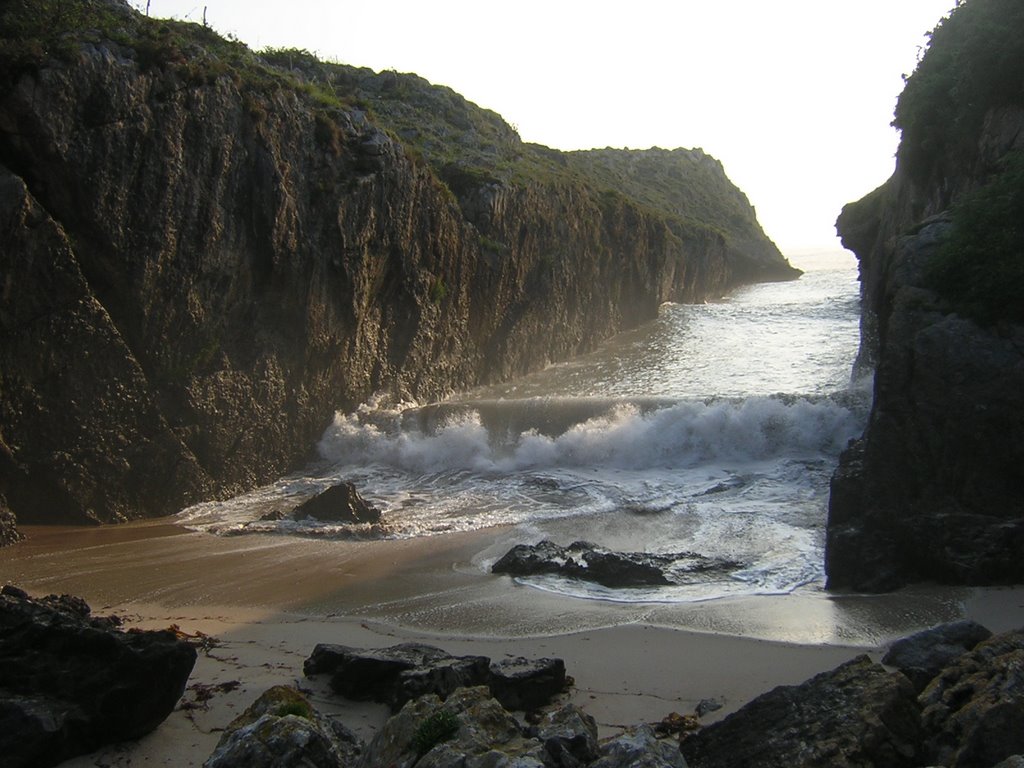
795	97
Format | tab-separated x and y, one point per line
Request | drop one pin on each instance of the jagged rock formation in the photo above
282	729
855	715
205	253
471	729
932	490
339	503
973	711
407	671
923	655
969	713
588	562
71	682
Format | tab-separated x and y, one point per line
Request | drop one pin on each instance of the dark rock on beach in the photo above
639	748
339	504
399	673
923	655
569	736
973	711
588	562
483	734
856	715
472	730
282	729
520	683
969	715
71	682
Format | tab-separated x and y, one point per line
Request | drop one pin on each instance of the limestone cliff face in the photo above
202	257
932	490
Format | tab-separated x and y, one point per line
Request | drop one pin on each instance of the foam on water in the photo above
624	436
668	439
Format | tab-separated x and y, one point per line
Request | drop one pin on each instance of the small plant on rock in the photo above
297	708
435	729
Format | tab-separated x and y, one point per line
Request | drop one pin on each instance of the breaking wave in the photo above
511	436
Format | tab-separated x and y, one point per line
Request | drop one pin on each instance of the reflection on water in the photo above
794	337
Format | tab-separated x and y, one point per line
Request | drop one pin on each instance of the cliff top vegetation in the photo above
465	146
973	63
973	66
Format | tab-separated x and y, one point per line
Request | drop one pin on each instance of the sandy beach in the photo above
265	601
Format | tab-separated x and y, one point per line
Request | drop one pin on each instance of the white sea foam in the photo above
667	440
686	434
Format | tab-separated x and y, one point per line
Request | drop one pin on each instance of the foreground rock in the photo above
281	729
856	715
469	729
973	711
403	672
588	562
970	715
472	730
639	748
71	683
923	655
525	684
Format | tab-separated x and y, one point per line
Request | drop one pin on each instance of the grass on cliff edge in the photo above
466	146
980	267
33	31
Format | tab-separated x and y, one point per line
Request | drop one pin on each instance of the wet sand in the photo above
268	600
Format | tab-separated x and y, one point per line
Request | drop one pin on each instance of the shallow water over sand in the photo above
432	586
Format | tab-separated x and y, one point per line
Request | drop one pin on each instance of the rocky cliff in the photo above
932	491
206	252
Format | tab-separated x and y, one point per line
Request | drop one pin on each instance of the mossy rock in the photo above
279	701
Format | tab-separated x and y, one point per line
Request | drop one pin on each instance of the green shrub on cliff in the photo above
980	268
974	63
32	30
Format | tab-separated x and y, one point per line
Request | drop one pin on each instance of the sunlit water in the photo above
713	429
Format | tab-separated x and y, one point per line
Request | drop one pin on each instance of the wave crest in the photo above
503	437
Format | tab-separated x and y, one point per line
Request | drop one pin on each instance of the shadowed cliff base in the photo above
932	490
208	251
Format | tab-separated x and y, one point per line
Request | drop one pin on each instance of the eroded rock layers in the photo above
205	255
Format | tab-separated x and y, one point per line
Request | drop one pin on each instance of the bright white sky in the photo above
794	97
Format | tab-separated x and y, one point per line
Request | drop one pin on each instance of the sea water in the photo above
713	429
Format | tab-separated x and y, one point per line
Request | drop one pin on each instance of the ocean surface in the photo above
713	430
